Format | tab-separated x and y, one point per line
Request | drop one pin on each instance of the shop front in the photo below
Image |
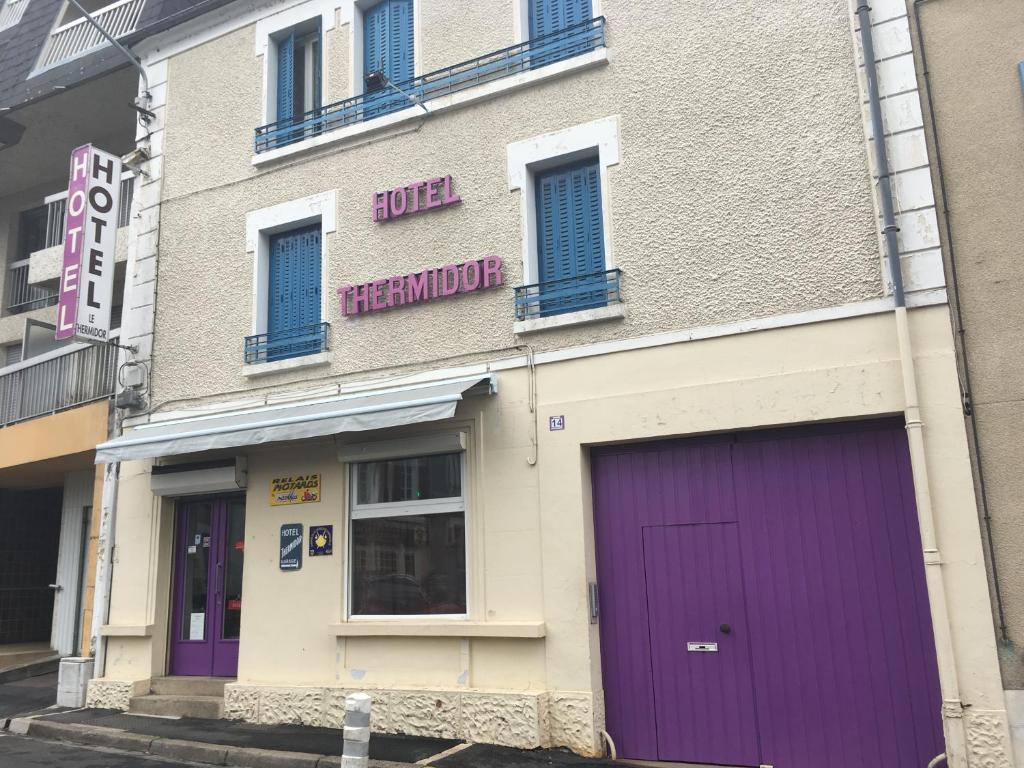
531	556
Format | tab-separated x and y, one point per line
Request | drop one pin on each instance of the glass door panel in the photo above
233	557
196	544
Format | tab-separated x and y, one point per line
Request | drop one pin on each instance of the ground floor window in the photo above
408	537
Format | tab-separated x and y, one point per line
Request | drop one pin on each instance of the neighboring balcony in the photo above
524	57
569	301
57	380
32	282
287	344
76	36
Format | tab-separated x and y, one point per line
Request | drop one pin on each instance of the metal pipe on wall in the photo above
952	706
104	566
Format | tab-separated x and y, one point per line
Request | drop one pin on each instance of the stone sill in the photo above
601	314
126	630
291	364
415	628
440	104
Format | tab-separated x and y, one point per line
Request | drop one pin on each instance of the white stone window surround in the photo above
598	138
259	226
395	449
268	27
352	14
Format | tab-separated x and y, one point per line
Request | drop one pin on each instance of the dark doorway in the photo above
30	525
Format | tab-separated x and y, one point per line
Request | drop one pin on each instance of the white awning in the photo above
357	412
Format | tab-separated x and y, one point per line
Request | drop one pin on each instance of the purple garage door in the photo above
763	600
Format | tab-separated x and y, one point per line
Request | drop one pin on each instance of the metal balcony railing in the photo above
78	36
57	205
22	296
571	294
532	54
11	13
293	342
56	381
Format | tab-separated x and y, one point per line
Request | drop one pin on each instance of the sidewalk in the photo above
226	742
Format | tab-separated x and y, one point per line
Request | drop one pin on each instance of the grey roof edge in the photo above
24	90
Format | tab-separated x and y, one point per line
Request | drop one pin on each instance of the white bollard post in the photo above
356	752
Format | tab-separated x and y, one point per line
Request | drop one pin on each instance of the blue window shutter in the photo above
570	237
547	16
375	38
293	293
400	41
286	77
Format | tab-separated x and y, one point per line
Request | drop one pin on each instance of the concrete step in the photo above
189	686
209	707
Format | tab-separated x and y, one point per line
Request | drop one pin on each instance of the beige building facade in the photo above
976	116
467	457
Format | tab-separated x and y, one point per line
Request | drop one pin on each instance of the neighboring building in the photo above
534	367
975	65
61	86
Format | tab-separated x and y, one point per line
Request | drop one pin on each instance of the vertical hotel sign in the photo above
90	236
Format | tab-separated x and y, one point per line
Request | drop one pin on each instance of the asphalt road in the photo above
27	695
21	752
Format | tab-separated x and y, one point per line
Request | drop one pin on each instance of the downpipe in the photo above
952	706
104	567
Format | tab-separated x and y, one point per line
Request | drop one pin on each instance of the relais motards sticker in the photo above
295	489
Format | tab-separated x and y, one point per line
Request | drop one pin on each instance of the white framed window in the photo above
384	37
11	12
527	159
265	230
407	537
293	47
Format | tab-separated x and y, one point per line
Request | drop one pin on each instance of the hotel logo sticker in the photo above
291	547
295	489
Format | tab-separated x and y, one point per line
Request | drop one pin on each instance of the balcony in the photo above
55	381
78	36
282	345
524	57
32	281
579	294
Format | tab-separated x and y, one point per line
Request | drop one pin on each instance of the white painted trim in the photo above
259	225
266	47
611	312
440	104
403	626
291	364
358	388
528	156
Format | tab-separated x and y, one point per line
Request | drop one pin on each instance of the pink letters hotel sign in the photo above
90	233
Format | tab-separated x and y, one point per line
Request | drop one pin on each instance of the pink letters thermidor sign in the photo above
417	287
78	188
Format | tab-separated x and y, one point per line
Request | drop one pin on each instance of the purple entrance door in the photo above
700	644
816	530
207	604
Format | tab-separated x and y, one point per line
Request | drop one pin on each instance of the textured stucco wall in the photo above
732	199
973	52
